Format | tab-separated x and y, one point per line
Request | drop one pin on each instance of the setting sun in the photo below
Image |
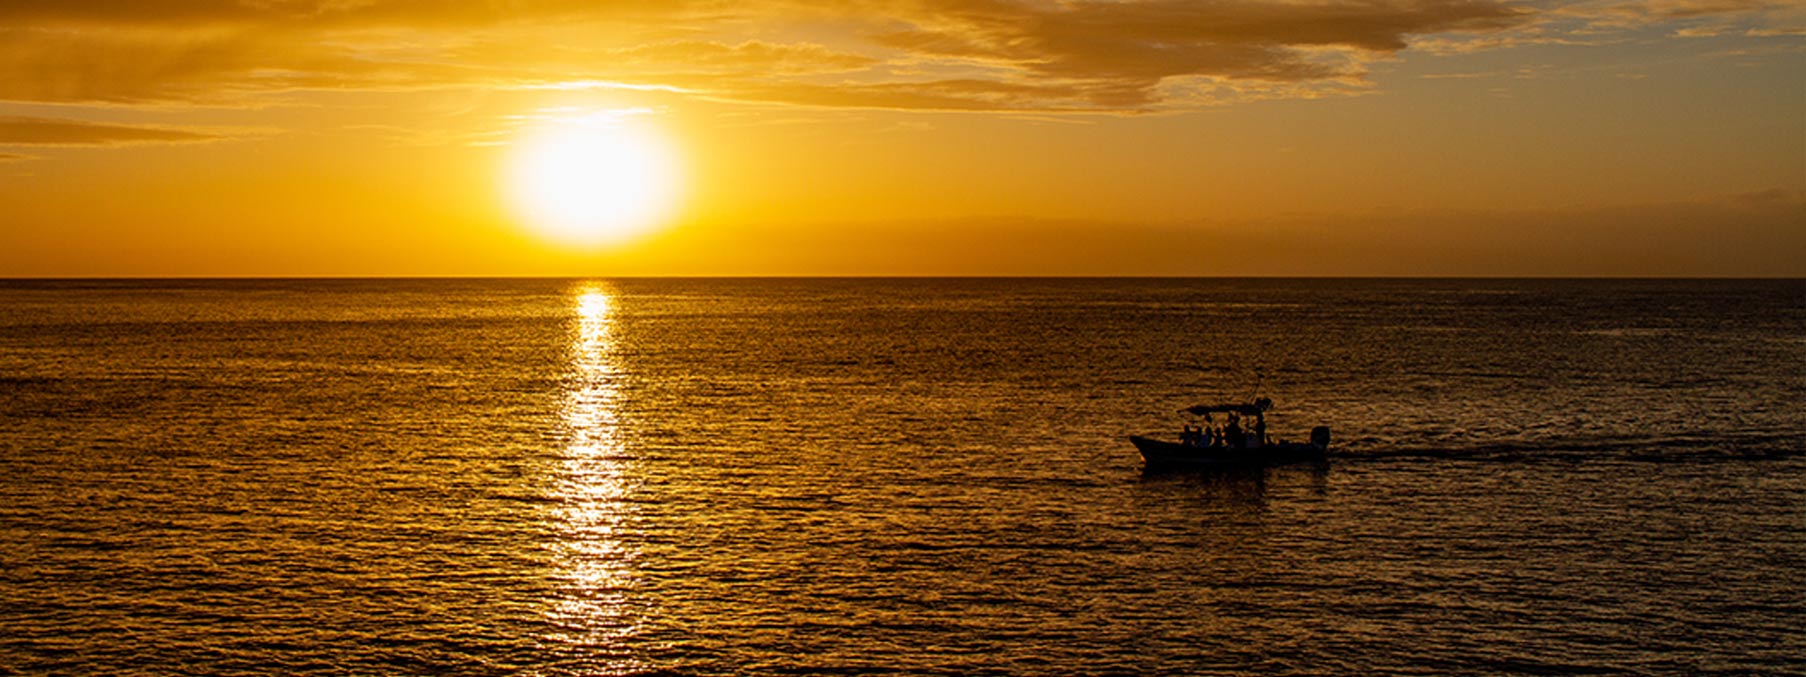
592	181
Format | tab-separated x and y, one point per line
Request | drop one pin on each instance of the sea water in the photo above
917	476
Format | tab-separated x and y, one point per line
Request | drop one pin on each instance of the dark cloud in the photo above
1149	54
1170	37
13	157
30	131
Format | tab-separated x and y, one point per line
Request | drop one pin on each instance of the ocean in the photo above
898	476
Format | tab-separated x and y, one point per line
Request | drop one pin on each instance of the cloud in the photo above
1126	56
31	131
1691	18
944	54
1732	236
750	55
14	157
1772	197
1015	55
1168	37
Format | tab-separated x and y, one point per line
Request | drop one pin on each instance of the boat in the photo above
1232	446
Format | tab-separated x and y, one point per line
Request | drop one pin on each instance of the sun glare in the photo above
593	181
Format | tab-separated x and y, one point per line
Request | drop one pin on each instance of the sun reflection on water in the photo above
592	613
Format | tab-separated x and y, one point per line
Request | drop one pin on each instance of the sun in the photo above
593	181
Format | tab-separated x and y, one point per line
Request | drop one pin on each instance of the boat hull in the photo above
1163	454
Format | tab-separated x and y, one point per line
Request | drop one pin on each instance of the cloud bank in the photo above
1017	55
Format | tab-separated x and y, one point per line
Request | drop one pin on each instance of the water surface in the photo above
498	477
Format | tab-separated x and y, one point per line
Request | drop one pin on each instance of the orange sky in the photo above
915	137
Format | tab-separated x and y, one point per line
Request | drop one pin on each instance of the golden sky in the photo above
907	137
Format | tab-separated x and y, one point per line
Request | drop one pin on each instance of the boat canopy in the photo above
1250	409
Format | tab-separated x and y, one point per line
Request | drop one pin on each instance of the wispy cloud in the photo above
1690	18
33	131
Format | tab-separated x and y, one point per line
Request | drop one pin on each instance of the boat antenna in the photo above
1259	375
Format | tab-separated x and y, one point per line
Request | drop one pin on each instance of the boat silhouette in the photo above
1232	445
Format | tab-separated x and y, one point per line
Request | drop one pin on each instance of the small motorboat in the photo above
1232	445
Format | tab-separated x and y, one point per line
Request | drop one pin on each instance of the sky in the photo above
905	137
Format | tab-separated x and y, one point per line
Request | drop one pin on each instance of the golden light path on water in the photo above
591	613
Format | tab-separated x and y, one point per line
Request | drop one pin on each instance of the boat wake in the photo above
1674	448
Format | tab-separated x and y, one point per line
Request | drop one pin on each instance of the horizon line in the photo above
225	278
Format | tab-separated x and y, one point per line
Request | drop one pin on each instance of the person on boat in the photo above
1189	436
1260	431
1233	434
1209	438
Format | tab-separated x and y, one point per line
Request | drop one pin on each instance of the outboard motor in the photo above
1320	436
